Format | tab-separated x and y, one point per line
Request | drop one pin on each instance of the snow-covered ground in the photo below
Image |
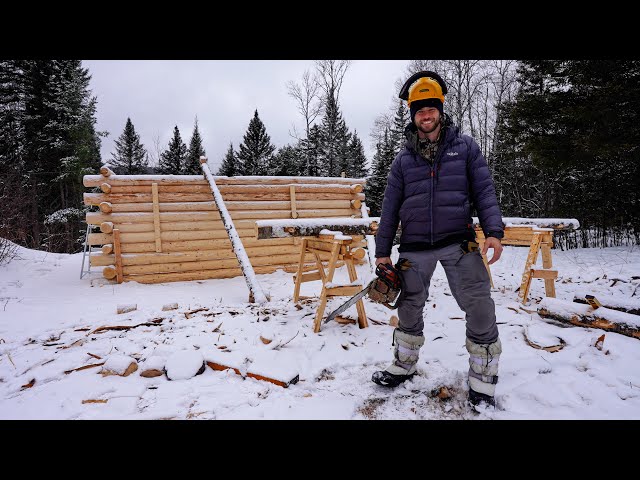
49	317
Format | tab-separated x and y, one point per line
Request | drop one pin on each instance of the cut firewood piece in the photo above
169	306
152	372
94	400
585	316
344	320
394	321
271	366
184	364
127	308
593	301
121	365
443	393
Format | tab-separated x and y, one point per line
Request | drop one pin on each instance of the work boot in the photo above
403	367
483	371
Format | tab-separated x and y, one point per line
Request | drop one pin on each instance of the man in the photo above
432	187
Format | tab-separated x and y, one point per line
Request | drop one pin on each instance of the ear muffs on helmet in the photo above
423	85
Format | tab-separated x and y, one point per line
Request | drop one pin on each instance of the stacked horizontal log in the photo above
174	232
520	235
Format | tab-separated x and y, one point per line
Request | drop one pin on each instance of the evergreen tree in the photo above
358	164
173	159
130	157
286	162
377	183
310	152
256	150
229	165
48	141
334	140
574	125
196	150
400	122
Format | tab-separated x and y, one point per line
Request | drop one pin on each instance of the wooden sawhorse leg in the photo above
335	252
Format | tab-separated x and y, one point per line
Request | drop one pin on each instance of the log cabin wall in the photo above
166	228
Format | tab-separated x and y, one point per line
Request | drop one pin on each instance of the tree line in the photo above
560	137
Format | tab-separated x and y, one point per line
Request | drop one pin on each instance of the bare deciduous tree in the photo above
308	100
330	74
158	148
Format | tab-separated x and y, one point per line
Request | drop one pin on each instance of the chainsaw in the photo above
384	289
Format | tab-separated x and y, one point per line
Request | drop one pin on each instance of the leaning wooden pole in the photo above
256	295
371	242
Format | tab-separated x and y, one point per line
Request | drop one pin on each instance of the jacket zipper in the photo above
434	174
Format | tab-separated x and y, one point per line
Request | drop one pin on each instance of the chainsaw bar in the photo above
350	302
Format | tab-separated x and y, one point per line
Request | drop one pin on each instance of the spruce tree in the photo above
334	140
130	157
310	153
51	121
256	150
172	160
570	138
229	166
377	183
400	122
196	150
286	162
358	160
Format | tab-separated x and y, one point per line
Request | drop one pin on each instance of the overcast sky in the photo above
160	94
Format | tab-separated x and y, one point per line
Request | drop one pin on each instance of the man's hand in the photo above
492	242
383	260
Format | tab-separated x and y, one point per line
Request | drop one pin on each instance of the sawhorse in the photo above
540	241
339	248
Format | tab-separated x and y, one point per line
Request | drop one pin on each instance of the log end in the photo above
105	187
105	207
106	227
109	272
203	160
105	171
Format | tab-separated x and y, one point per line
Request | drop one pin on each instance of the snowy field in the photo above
49	317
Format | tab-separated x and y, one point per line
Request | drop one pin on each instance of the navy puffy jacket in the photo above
434	202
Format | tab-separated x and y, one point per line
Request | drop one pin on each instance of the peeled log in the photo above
282	230
122	180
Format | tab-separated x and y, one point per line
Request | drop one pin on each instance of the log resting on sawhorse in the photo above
339	247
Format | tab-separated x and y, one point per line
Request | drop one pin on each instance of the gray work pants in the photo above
469	283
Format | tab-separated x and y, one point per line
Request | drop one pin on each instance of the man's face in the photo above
427	119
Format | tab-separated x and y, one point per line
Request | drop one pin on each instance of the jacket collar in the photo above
449	132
